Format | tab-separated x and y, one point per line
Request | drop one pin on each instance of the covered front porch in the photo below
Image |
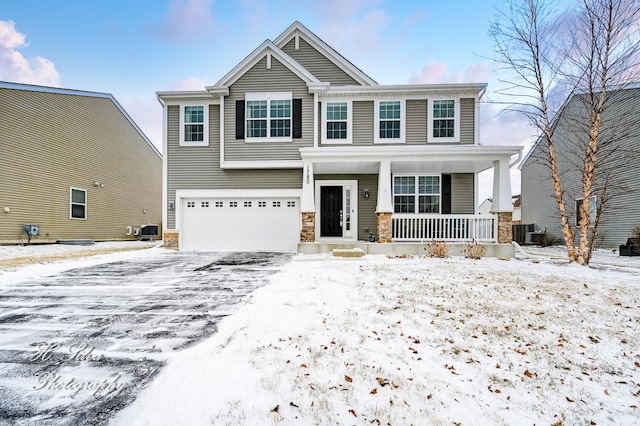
379	197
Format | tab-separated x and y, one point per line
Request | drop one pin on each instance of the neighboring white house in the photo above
485	208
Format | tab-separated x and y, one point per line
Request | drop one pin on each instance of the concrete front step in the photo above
394	249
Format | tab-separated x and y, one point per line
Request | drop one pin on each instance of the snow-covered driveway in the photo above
77	345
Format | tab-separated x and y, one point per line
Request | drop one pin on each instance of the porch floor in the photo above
394	249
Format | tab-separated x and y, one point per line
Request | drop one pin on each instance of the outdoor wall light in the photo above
366	193
172	206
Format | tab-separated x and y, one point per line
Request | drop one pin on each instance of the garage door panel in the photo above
240	224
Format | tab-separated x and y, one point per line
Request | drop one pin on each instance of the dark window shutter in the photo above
297	118
446	194
240	119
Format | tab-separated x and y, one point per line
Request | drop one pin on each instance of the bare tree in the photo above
590	50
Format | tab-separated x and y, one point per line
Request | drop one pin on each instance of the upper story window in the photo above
416	194
269	117
78	203
194	125
444	120
336	125
389	122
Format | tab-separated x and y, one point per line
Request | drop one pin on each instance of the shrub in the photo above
549	240
437	248
474	250
635	231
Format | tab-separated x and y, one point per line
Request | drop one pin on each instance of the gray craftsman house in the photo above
618	174
298	149
75	164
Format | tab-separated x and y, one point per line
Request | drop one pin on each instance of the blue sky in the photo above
133	49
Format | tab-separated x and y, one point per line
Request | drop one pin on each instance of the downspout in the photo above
165	167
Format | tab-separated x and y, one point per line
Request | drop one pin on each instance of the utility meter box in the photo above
31	229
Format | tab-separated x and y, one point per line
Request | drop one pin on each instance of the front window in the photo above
280	118
416	194
268	116
443	119
257	119
78	203
389	122
444	123
193	125
336	120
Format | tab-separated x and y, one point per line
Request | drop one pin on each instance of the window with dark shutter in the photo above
240	119
297	118
446	194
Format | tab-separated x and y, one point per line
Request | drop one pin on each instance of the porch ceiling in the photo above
405	159
353	167
399	167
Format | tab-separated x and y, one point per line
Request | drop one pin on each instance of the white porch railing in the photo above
449	227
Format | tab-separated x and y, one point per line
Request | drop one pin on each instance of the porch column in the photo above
307	204
502	203
384	209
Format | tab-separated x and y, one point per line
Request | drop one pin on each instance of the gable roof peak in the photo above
329	52
267	47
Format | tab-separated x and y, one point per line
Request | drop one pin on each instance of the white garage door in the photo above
242	224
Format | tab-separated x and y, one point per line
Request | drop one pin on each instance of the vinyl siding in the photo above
363	123
416	114
51	142
462	196
467	120
318	64
199	167
367	219
619	124
259	79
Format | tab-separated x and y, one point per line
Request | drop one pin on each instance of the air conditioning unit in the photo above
149	232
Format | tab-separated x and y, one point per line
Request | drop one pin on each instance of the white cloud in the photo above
15	67
186	20
191	83
148	116
500	126
353	28
438	73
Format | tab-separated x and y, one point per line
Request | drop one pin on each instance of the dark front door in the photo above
331	211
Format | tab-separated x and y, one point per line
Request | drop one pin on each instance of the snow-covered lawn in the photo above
402	341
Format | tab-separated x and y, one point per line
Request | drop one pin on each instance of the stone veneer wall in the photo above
170	238
384	227
308	231
505	230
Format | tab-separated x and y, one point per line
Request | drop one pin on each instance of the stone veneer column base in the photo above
384	227
308	231
170	238
505	230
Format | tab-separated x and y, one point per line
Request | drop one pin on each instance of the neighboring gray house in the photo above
618	170
297	145
76	164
